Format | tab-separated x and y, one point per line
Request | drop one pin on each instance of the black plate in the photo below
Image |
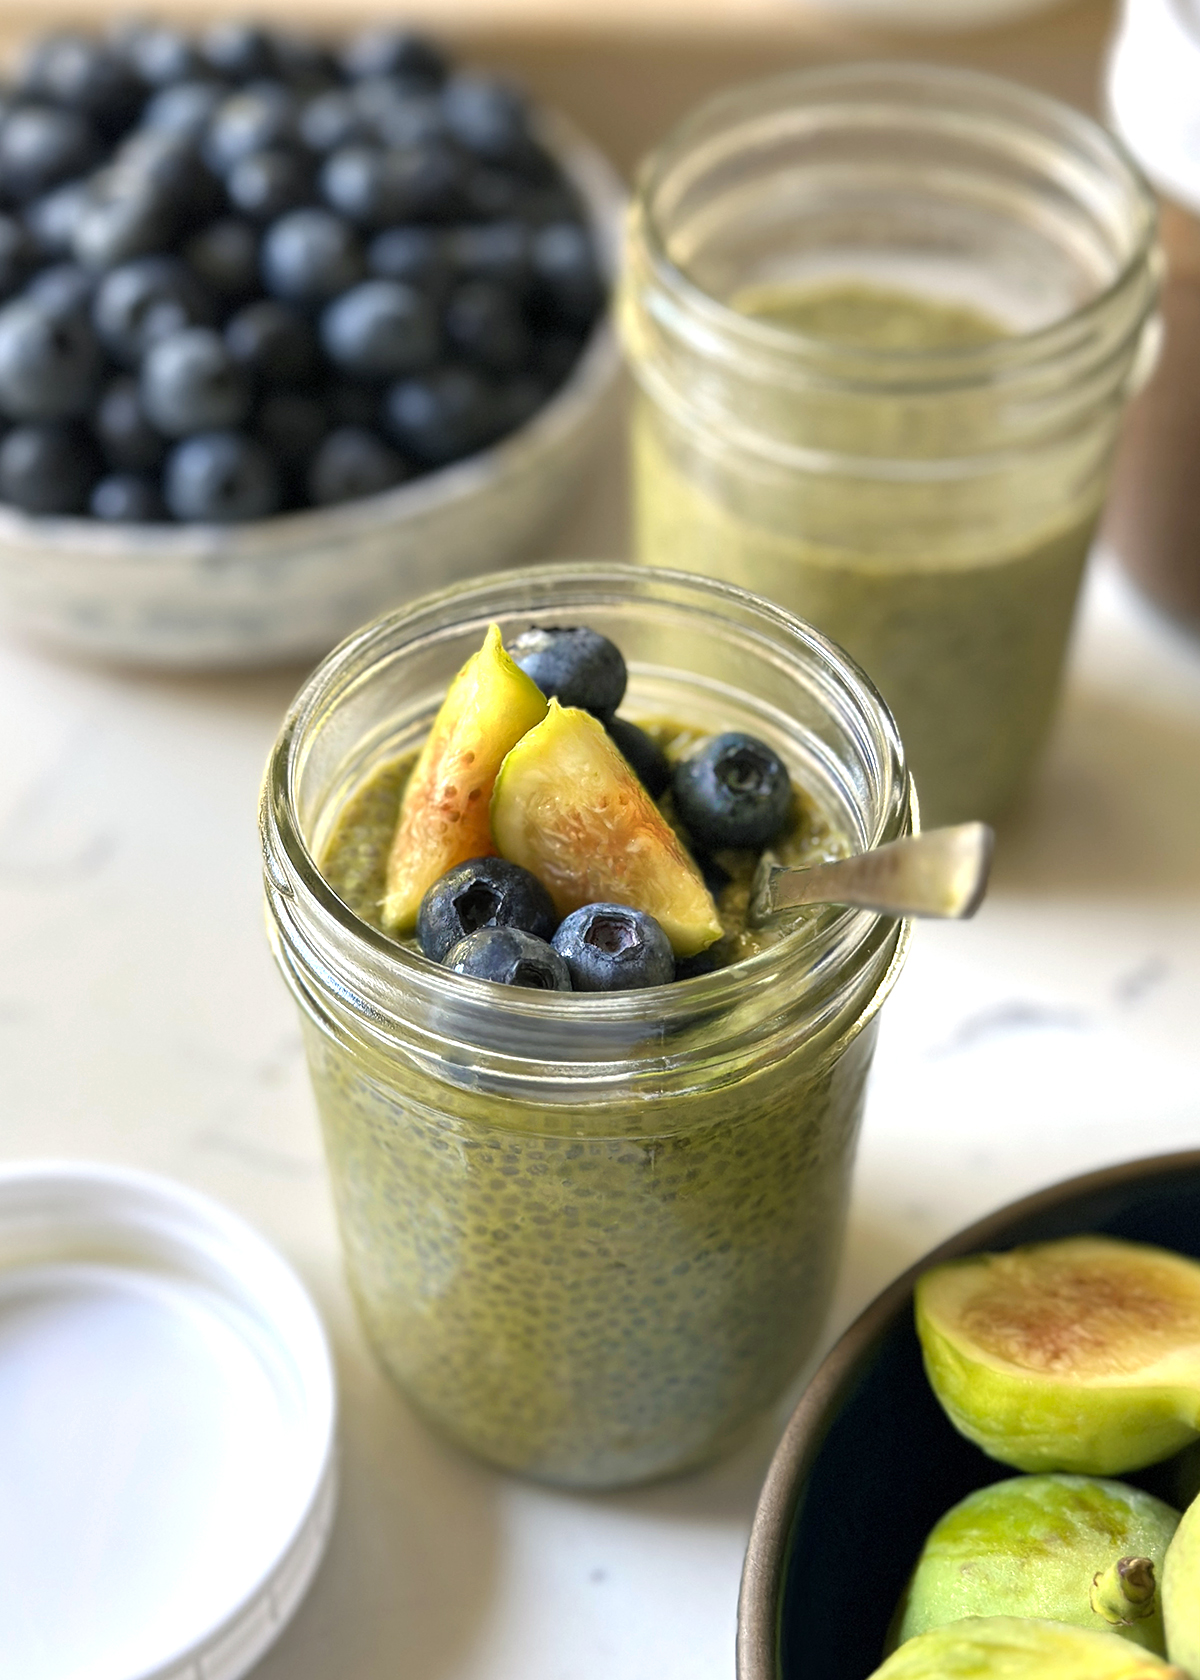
869	1462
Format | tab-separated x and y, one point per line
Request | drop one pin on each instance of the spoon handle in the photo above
942	873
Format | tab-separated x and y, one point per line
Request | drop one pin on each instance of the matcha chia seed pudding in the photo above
592	1234
884	321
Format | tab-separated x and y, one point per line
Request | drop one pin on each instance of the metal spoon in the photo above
941	873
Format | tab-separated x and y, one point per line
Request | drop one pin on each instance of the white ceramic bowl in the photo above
211	596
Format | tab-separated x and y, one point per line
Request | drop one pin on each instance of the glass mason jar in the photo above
591	1236
883	321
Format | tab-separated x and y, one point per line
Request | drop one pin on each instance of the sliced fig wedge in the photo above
568	807
1082	1354
443	817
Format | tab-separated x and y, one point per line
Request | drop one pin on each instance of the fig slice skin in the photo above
568	807
1074	1549
1080	1355
1181	1593
1021	1648
444	812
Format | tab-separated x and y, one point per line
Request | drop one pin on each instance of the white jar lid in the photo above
1154	92
166	1431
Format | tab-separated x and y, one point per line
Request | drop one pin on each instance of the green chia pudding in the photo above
591	1237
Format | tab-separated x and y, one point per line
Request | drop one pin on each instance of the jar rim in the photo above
807	957
1011	354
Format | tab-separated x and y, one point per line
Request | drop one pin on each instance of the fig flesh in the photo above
1081	1354
1020	1648
569	808
444	817
1181	1593
1065	1548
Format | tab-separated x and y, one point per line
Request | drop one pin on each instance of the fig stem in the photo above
1125	1592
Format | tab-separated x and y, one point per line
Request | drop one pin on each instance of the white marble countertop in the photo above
141	1021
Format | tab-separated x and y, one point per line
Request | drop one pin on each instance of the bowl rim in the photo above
764	1568
39	537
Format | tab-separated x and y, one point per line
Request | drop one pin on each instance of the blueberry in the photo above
186	108
395	52
220	478
47	468
309	256
442	415
331	120
53	218
715	876
290	426
373	187
126	498
498	250
510	958
517	401
190	383
379	330
555	355
566	276
273	342
224	255
484	324
643	755
81	72
251	120
733	791
488	117
576	666
49	363
161	55
352	462
402	121
238	51
485	892
352	402
415	255
130	443
41	146
265	184
63	289
303	64
612	948
17	255
490	193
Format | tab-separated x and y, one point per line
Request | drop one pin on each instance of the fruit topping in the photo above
734	791
484	892
1082	1354
576	667
444	813
611	948
643	754
511	958
1068	1548
1021	1648
1181	1592
568	808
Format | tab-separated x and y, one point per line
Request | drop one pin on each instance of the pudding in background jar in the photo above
884	322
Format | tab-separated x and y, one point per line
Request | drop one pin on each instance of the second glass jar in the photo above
884	322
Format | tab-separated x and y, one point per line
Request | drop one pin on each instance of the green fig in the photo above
1082	1354
1181	1593
443	817
1066	1548
568	807
1019	1648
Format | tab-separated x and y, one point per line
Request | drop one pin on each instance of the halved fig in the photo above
443	817
1077	1549
1082	1354
569	808
1021	1648
1181	1592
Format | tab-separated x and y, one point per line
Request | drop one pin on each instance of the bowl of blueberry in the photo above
288	334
